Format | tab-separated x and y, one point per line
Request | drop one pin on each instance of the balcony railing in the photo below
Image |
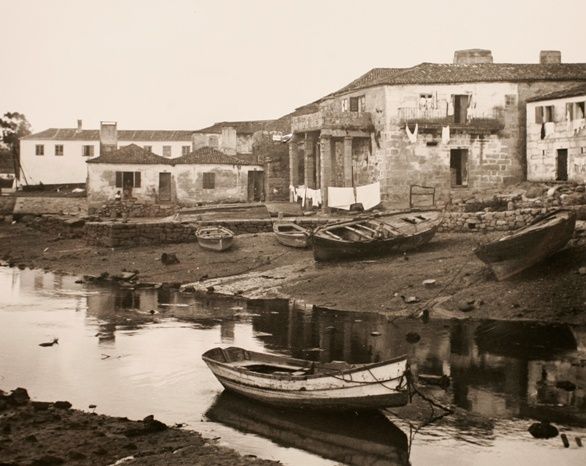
435	118
332	120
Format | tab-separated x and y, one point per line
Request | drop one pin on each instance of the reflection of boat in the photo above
216	238
299	383
291	234
526	340
374	236
354	438
528	246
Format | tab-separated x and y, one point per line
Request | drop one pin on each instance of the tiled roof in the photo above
572	91
131	154
242	127
434	73
73	134
208	155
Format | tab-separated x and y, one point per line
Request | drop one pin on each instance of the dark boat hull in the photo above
528	246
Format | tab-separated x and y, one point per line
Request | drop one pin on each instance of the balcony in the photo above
328	120
435	119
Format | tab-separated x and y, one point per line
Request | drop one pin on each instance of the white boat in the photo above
215	238
299	383
292	235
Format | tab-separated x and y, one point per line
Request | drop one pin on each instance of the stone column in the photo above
293	164
309	160
325	165
348	161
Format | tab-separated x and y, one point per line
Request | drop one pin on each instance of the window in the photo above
209	180
88	151
166	151
510	99
544	114
213	141
40	149
357	104
425	101
148	148
575	110
128	179
185	150
344	105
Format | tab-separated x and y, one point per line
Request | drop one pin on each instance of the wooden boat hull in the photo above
408	236
215	238
353	438
291	235
528	246
293	385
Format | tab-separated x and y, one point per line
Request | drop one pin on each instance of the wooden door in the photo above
164	187
562	165
460	108
255	186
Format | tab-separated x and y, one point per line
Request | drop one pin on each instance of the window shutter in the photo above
538	115
118	179
137	179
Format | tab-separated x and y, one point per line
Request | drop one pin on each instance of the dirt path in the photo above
259	266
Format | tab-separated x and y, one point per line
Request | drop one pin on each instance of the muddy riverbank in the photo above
46	433
258	266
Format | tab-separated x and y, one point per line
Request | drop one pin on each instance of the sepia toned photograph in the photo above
292	233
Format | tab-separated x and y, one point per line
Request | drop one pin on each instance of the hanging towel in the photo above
549	128
412	136
313	197
368	195
340	198
445	134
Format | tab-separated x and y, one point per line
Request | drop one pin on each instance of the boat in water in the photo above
215	238
354	438
298	383
367	237
292	235
529	245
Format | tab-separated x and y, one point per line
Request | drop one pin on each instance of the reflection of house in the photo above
556	136
446	125
59	155
205	175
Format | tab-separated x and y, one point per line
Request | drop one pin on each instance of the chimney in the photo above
228	140
108	137
549	57
79	125
472	56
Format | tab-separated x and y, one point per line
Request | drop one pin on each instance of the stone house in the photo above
59	155
556	136
205	175
455	127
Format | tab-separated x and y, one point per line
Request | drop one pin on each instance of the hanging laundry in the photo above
313	197
578	125
368	195
542	130
341	198
412	136
549	128
445	134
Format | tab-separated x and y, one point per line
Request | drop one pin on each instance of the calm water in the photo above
113	353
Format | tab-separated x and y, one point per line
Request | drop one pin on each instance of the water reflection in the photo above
500	373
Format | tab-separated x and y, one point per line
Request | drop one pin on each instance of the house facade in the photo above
454	127
556	136
59	155
205	175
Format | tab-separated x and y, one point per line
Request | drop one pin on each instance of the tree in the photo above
14	126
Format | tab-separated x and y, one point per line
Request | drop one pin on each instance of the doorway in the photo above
255	186
461	103
562	165
164	187
459	167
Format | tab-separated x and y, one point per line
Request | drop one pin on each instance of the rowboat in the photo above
292	235
352	437
375	236
529	245
298	383
215	238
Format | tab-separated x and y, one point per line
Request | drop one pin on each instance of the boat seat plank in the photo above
358	232
329	233
372	230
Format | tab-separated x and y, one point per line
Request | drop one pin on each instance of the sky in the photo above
185	64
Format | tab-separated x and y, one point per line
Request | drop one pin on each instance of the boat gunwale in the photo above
228	233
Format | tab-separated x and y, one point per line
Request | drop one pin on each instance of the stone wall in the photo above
39	205
131	209
7	205
488	221
62	227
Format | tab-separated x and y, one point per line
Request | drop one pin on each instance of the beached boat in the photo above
292	235
374	236
215	238
298	383
352	437
529	245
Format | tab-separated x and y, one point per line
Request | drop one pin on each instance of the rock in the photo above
210	289
582	270
412	337
19	397
466	306
41	405
375	334
169	258
429	283
62	404
152	425
410	299
534	192
565	440
543	430
566	385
